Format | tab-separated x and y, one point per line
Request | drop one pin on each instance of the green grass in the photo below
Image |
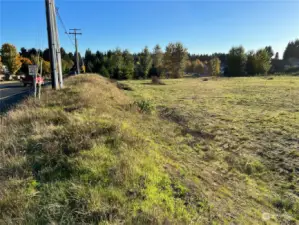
189	152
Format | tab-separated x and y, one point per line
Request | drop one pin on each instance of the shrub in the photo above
144	106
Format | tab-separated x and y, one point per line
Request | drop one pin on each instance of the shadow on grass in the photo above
149	83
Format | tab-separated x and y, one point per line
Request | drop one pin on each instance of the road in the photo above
11	93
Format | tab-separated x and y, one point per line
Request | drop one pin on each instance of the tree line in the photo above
121	64
17	62
172	62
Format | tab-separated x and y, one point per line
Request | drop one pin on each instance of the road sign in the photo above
32	70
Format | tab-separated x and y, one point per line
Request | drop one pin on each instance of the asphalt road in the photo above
11	93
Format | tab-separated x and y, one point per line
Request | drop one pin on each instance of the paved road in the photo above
11	93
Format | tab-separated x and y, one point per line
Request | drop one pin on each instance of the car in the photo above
72	72
28	80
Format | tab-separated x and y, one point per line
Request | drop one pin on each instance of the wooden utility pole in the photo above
54	47
76	44
58	50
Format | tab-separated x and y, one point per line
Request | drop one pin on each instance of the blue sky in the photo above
202	26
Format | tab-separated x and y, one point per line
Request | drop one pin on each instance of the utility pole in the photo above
58	50
76	43
55	58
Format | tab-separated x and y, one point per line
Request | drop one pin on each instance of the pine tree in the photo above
236	61
116	64
175	58
128	67
158	59
145	62
292	50
251	64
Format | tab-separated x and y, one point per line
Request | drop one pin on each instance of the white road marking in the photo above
13	95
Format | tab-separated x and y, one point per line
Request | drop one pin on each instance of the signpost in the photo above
33	70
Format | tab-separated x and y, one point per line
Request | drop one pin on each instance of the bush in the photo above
294	69
144	106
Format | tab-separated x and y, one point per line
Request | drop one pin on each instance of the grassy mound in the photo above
88	154
78	157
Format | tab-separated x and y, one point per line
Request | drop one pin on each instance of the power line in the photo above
64	27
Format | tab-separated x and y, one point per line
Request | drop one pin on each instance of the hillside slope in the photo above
87	155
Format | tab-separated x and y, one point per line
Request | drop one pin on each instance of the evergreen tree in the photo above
292	50
116	64
269	51
145	62
158	59
251	64
104	72
236	61
128	67
175	58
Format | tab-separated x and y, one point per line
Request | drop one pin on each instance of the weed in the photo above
144	106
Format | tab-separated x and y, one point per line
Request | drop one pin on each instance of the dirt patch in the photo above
124	86
173	115
198	133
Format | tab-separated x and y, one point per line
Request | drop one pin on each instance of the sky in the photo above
204	27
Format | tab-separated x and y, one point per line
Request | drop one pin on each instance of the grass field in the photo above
189	152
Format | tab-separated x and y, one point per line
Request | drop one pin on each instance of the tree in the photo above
292	50
145	62
46	67
236	61
198	66
46	55
32	51
158	59
116	64
24	53
251	65
128	67
1	66
83	68
62	53
263	61
259	62
189	67
25	62
104	72
269	51
276	55
11	58
67	65
175	58
214	66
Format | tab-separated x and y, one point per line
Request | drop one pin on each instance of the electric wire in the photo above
63	25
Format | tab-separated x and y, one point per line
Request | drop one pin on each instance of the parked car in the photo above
28	80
